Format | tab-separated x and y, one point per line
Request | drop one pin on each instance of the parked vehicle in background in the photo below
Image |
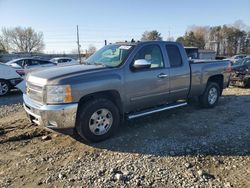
195	53
9	78
64	61
30	64
241	72
192	52
235	58
123	80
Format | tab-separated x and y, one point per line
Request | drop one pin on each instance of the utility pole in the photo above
105	42
78	45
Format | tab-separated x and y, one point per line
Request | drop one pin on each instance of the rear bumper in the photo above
51	116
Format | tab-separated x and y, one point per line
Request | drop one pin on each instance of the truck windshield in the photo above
110	56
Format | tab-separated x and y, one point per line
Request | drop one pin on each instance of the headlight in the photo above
58	94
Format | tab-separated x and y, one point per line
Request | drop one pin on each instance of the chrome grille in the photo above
35	92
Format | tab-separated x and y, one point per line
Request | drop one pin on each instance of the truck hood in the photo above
41	77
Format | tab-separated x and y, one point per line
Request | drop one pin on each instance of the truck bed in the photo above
202	69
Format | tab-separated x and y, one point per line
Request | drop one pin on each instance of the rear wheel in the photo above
210	97
4	87
97	120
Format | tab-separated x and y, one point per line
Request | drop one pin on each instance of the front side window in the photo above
152	54
174	55
110	55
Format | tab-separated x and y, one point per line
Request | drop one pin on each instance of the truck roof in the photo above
142	42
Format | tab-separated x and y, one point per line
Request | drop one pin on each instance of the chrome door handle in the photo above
162	75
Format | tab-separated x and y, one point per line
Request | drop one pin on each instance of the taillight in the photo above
20	72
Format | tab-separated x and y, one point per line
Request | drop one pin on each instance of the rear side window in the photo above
66	60
34	62
20	62
174	55
44	62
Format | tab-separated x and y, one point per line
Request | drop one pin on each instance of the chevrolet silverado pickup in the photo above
121	81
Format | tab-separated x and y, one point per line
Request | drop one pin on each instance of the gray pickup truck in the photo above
121	81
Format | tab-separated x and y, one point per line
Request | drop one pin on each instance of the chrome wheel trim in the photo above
4	88
100	121
212	95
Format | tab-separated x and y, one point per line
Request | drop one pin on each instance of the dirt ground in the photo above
185	147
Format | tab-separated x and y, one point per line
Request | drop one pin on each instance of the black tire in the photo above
245	83
6	87
204	98
85	113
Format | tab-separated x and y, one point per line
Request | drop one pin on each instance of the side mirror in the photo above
141	64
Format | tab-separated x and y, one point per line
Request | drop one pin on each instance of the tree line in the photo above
225	40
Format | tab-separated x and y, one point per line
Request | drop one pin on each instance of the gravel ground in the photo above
185	147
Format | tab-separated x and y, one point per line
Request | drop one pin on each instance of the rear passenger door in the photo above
179	72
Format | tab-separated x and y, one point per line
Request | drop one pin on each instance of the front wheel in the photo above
210	97
97	120
4	87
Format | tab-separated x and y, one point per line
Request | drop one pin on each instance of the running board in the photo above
154	110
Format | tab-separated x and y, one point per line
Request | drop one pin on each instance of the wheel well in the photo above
7	81
111	95
217	79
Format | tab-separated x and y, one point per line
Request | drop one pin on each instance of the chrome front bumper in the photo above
51	116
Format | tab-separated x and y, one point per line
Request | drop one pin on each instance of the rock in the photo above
188	165
126	173
200	172
119	177
46	137
48	180
61	176
55	135
39	183
227	184
101	172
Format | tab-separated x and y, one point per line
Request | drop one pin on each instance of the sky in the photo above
116	20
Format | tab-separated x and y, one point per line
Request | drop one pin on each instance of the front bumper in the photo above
51	116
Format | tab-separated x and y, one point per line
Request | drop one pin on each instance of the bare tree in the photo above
91	49
23	39
151	35
4	45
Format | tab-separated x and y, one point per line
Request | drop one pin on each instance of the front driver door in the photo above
147	87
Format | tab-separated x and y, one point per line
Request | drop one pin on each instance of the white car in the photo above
64	61
30	64
9	78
